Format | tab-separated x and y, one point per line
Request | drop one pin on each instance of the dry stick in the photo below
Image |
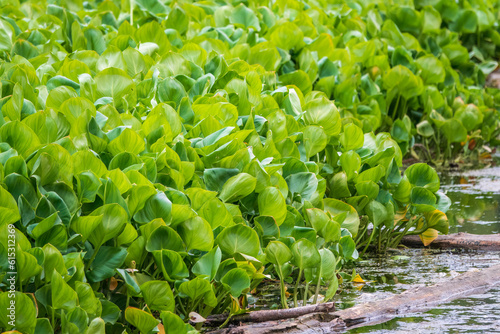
413	300
270	315
489	242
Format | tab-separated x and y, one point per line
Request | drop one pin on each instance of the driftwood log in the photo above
412	300
270	315
466	241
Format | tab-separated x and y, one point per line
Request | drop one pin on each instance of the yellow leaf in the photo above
358	279
400	215
428	236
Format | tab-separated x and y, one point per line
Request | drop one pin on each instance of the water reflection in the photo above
475	196
476	314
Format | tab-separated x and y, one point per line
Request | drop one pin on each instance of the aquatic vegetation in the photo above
160	160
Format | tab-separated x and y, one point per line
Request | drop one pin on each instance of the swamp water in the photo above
475	209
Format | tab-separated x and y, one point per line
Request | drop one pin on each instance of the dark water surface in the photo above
475	209
475	196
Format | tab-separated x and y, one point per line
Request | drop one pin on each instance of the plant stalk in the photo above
295	291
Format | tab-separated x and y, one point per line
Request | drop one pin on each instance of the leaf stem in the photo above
316	293
297	288
284	304
92	258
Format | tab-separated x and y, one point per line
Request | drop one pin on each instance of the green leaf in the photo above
172	323
336	207
237	187
208	264
377	213
216	177
164	237
304	184
158	296
278	253
105	263
142	320
197	289
101	225
437	220
238	239
236	280
422	175
171	264
25	316
315	140
328	264
352	138
470	116
197	234
305	254
323	112
20	137
425	129
156	206
454	131
287	36
456	53
244	16
97	326
348	248
63	296
127	141
115	83
272	203
433	71
9	212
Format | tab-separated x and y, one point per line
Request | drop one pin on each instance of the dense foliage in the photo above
165	158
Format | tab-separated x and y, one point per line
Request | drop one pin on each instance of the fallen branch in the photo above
270	315
489	242
413	300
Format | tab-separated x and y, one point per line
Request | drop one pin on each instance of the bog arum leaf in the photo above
304	184
106	262
336	207
197	289
238	239
20	137
237	187
208	264
25	321
63	296
164	237
115	83
156	206
236	280
140	319
158	295
315	140
422	175
244	16
272	203
322	112
352	137
173	323
197	234
171	264
305	254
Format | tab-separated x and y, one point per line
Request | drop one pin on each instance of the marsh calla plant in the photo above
160	159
